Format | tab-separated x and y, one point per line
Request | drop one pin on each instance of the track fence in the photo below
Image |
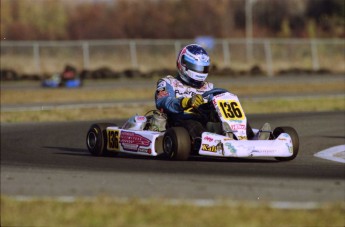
271	55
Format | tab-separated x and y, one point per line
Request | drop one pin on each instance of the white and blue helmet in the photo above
193	64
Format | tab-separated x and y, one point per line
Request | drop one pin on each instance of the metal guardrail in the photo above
135	53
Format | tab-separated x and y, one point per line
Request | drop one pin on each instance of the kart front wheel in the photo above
295	141
177	143
96	139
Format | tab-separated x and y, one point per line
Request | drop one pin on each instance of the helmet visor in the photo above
194	67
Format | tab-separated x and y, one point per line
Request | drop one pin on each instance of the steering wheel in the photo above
215	91
204	110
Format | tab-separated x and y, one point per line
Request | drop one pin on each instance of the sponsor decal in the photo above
199	76
290	148
237	121
267	151
206	147
177	84
131	141
140	119
231	148
238	127
187	92
144	150
209	139
284	137
219	95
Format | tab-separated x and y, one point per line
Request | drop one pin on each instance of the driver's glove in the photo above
194	102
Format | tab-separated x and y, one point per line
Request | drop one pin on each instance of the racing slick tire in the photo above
295	141
177	143
96	139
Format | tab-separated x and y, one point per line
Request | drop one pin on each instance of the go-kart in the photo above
227	134
56	81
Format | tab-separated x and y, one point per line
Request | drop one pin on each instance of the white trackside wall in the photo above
222	146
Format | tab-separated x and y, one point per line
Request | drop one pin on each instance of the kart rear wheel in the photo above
177	143
96	139
295	141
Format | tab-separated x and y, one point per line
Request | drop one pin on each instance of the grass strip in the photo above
106	211
125	111
144	93
281	105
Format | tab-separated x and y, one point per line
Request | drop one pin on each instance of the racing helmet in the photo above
193	64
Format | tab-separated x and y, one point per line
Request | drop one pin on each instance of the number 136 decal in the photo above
113	139
230	109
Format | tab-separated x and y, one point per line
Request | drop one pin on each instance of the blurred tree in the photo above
285	30
318	8
64	19
26	20
270	14
297	25
49	19
329	16
239	15
6	19
14	24
87	22
311	28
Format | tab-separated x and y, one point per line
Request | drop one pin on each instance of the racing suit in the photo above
169	94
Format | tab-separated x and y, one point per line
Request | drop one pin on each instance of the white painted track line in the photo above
196	202
336	154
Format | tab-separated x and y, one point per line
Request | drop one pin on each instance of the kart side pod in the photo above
104	138
137	142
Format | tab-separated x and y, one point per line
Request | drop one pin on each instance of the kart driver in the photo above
178	95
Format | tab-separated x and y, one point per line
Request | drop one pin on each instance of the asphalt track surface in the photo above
51	159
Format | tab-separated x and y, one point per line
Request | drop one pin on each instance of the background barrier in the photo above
271	55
